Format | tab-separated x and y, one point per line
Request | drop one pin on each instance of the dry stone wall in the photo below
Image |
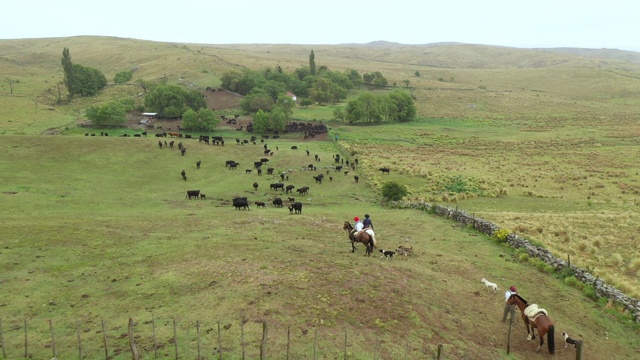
632	305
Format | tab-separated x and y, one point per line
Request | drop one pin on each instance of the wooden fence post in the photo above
53	339
512	311
345	345
440	355
26	351
242	337
134	349
104	341
79	340
155	339
198	332
288	339
263	344
219	342
315	342
579	349
4	353
175	337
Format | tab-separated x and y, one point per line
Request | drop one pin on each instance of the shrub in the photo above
523	257
501	235
394	191
572	281
122	77
590	291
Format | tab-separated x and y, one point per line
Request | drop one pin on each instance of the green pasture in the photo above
98	228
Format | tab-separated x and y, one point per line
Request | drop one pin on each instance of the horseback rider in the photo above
367	222
512	291
358	226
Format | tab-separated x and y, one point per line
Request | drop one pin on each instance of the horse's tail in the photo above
550	344
373	239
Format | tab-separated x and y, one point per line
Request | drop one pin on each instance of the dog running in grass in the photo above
387	254
489	285
404	251
568	340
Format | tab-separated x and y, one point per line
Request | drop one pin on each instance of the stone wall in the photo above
632	305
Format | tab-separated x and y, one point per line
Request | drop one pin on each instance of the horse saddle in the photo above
533	311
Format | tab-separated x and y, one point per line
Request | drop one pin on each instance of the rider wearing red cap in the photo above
359	225
512	291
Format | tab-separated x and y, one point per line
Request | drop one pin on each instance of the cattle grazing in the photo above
346	173
247	171
192	194
291	200
257	164
294	147
241	202
330	178
198	164
137	135
203	196
289	188
183	150
310	166
277	186
356	178
261	204
173	134
259	171
277	202
229	162
255	186
319	178
307	152
384	170
160	144
282	176
297	206
339	167
267	151
233	166
303	190
270	171
184	175
170	144
264	160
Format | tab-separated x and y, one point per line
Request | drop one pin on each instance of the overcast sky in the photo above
517	23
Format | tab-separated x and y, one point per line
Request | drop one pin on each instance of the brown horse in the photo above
542	323
366	237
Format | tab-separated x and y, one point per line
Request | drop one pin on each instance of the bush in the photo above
523	257
501	235
122	77
590	292
394	191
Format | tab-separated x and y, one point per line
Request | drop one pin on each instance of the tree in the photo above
338	114
287	104
111	113
393	191
417	73
278	120
81	80
11	81
406	83
312	63
67	67
257	99
404	109
145	85
261	121
274	88
379	80
202	120
172	101
321	91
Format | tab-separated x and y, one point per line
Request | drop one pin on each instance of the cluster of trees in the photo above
111	113
311	84
367	107
172	101
81	80
123	77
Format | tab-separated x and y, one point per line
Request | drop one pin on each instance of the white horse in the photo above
489	285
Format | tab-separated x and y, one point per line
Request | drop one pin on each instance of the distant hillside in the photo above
612	54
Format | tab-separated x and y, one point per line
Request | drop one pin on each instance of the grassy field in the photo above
97	228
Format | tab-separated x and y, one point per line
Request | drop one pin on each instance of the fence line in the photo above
138	351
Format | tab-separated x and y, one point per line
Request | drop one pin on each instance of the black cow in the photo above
264	160
270	171
160	144
303	190
233	166
257	164
241	202
282	176
289	188
229	162
277	202
294	148
277	186
319	178
203	196
259	171
297	206
356	178
384	170
248	171
192	193
255	186
339	167
198	163
261	204
184	175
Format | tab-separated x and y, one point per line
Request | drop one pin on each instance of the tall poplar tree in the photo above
67	66
312	63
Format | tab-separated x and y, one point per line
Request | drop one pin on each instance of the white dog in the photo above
489	285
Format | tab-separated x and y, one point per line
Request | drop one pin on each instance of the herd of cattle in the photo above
242	202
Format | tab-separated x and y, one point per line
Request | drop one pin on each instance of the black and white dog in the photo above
387	253
568	340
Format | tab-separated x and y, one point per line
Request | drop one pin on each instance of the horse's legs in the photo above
353	246
541	335
525	320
